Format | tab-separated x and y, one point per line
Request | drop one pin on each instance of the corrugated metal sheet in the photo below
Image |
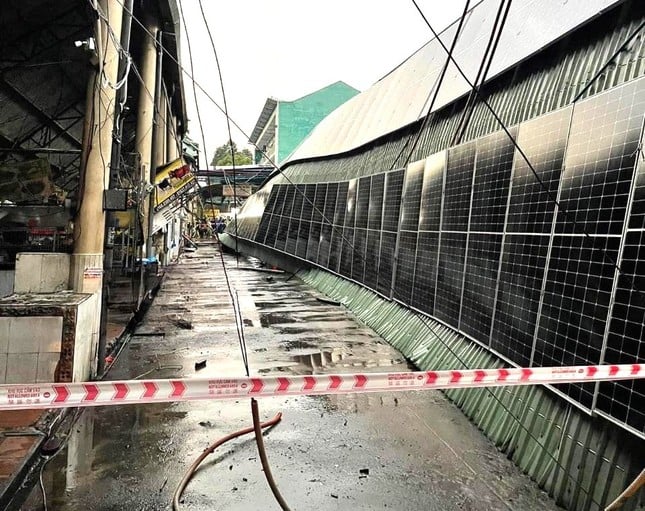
584	464
400	98
542	84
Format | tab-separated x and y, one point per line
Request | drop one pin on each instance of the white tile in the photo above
22	367
46	367
4	334
35	334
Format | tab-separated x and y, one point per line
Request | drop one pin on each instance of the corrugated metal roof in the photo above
265	115
400	98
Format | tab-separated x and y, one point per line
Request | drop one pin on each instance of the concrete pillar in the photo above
160	130
171	142
86	273
97	147
145	112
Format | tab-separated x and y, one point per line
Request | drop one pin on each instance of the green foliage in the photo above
223	156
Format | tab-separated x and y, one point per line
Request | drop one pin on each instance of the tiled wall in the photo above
29	348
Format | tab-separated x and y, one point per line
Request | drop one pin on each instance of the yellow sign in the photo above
211	212
170	180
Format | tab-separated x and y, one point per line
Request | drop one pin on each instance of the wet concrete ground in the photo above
403	451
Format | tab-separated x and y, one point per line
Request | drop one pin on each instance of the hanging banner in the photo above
171	181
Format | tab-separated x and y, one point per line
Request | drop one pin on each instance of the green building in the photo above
283	125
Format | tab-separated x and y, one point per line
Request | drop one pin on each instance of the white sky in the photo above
289	48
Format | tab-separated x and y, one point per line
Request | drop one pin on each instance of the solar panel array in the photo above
522	258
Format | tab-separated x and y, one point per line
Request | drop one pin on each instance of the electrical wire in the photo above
228	125
482	72
434	93
199	115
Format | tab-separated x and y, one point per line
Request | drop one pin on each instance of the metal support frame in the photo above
43	117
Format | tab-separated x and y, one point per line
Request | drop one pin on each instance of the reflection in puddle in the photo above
338	357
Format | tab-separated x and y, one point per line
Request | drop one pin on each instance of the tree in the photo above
224	158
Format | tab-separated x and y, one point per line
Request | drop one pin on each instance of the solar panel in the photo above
430	209
459	179
412	197
480	284
308	202
358	255
452	252
288	201
575	305
271	202
388	246
518	297
347	251
313	242
625	400
325	244
319	202
392	200
261	234
341	204
350	214
330	203
406	257
281	237
279	203
292	236
599	164
425	273
372	250
272	231
375	214
303	238
492	180
363	201
543	140
298	201
335	249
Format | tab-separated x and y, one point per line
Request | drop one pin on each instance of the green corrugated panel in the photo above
296	119
565	451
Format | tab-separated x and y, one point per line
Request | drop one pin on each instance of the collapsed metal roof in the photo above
401	97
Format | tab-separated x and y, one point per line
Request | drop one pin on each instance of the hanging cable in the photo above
228	126
482	72
199	116
434	93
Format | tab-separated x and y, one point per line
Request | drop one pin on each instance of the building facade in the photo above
283	125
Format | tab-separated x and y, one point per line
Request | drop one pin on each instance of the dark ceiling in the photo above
42	83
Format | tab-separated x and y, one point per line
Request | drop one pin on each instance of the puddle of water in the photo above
299	344
275	318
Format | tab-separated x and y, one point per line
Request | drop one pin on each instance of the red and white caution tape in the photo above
62	395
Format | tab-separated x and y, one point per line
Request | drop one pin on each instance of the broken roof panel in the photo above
402	96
